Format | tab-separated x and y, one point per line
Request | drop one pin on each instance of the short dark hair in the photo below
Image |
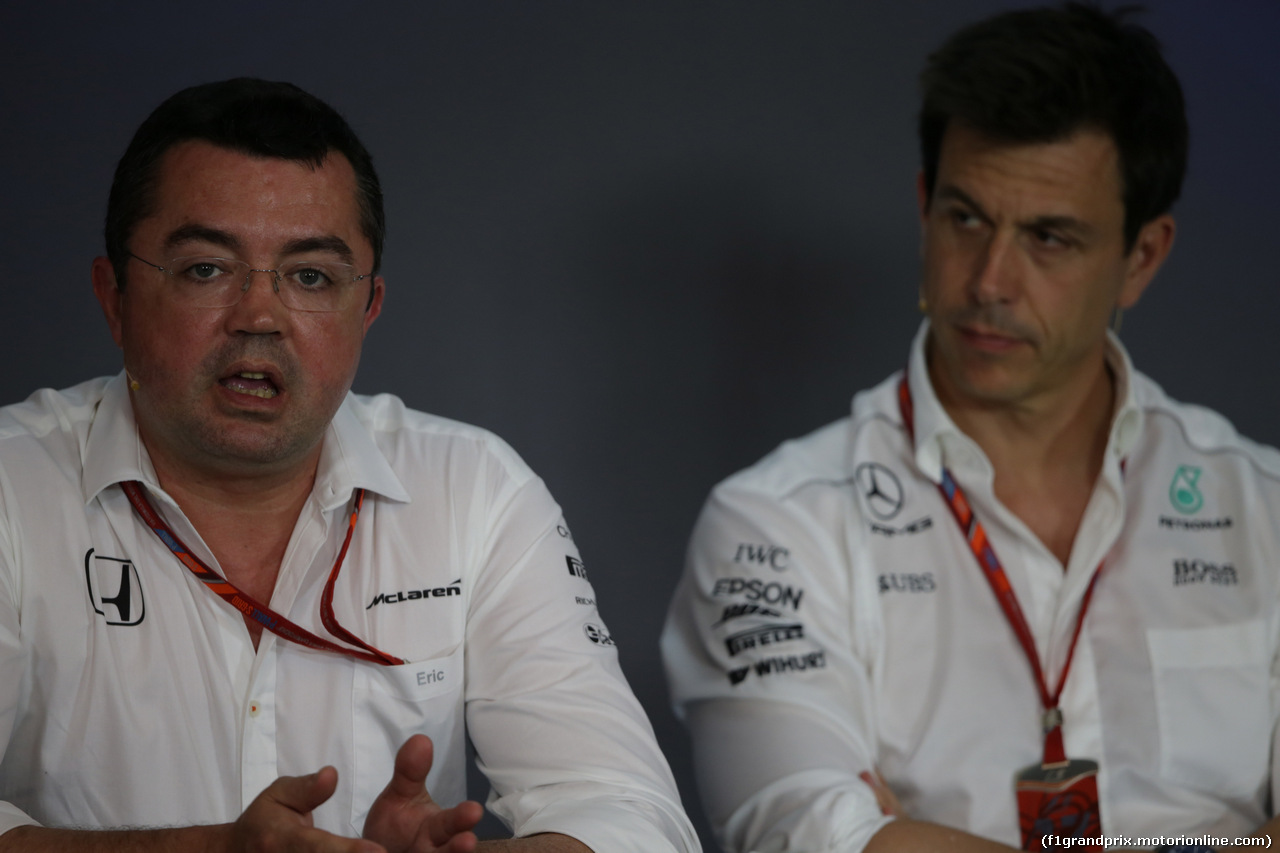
252	116
1040	75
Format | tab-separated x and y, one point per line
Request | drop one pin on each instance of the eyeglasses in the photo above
304	285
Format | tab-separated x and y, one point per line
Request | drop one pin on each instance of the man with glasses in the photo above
243	604
1019	598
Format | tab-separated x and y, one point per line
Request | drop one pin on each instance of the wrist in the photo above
219	838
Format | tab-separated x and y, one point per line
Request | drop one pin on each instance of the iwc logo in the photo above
1183	492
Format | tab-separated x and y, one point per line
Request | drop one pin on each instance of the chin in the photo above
257	448
991	386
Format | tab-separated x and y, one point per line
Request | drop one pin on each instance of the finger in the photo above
450	829
413	763
304	793
884	796
463	842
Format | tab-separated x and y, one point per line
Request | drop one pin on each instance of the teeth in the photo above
264	393
243	387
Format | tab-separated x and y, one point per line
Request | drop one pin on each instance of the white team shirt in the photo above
131	695
832	619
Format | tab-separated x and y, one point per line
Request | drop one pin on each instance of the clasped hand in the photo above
403	819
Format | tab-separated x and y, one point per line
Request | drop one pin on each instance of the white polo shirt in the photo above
131	695
832	619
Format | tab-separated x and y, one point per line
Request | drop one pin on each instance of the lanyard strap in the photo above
976	536
260	613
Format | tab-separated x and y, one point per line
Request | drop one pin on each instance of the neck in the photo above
246	520
1046	449
1057	428
262	495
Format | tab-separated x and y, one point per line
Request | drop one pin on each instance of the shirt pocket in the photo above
1213	706
390	703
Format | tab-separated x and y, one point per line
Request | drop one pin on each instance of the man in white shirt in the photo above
1019	595
239	602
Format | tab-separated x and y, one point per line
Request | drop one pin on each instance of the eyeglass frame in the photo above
276	278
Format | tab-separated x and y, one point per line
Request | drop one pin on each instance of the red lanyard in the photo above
1054	753
260	613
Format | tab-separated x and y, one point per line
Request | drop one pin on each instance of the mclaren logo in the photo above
880	488
454	588
115	590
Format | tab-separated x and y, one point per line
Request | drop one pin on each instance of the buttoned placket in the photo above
260	719
1050	594
252	674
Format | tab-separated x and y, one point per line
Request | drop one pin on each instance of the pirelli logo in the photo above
766	635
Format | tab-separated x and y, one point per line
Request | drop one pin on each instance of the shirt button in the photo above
255	708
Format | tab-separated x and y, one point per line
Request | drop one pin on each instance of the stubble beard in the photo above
244	441
979	377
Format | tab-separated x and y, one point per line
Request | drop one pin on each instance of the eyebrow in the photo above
329	243
1061	223
194	233
951	193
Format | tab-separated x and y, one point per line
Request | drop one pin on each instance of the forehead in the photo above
259	200
1076	176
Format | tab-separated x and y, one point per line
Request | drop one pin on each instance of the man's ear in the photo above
1152	246
375	302
109	296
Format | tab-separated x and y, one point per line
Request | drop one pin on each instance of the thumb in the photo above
304	793
413	762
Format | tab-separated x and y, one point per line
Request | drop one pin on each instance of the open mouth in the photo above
252	383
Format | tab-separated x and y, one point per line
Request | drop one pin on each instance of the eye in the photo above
1048	239
964	219
312	277
201	270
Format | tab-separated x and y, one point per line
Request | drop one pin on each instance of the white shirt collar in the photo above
933	424
349	457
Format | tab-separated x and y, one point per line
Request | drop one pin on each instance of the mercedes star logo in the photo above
881	488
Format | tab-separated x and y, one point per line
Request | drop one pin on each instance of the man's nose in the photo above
997	271
273	279
259	309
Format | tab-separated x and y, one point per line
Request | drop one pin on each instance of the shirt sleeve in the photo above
768	674
11	666
557	730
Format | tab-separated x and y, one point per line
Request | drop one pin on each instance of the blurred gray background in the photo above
643	241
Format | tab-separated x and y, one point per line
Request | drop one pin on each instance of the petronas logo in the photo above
1183	493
